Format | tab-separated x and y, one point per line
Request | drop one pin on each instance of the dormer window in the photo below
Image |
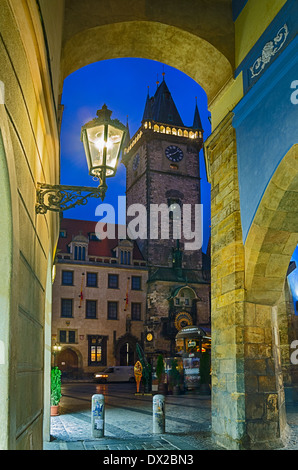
93	237
125	257
79	248
80	253
124	252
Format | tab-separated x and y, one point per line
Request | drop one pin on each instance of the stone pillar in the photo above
246	380
265	398
227	289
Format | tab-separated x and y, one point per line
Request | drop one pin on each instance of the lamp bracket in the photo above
59	198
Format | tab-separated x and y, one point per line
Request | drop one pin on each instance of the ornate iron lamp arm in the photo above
59	198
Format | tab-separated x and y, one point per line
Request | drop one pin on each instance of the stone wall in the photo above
248	409
27	119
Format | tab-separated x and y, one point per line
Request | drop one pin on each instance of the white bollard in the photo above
98	416
158	414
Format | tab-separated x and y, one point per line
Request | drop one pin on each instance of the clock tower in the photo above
163	175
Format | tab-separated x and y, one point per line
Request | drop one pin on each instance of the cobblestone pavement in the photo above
128	422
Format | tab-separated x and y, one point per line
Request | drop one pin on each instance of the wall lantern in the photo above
103	139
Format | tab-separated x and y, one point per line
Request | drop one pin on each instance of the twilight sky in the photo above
122	84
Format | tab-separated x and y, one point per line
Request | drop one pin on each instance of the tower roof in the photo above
197	123
161	107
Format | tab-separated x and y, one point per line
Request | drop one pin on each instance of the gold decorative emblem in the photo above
183	319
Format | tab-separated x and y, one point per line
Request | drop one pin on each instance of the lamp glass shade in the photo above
103	139
114	142
102	154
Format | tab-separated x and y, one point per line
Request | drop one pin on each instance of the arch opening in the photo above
194	56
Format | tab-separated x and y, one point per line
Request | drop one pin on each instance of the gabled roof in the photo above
83	228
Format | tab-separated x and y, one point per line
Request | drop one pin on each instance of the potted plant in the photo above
205	374
175	377
55	390
160	373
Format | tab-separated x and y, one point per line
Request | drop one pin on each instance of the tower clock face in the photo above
136	162
174	153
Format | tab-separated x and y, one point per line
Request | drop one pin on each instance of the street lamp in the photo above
103	139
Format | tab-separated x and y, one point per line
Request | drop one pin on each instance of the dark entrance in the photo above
126	355
68	363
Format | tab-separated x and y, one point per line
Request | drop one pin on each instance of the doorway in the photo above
68	362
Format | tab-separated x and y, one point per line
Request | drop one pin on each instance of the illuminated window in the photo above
95	353
96	350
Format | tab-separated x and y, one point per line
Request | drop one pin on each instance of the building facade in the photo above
163	175
99	300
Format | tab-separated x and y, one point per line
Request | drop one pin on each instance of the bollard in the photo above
158	414
98	416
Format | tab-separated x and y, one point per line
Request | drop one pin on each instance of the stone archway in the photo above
156	40
273	235
9	240
68	362
270	244
150	40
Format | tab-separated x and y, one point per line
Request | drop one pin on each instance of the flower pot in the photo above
54	410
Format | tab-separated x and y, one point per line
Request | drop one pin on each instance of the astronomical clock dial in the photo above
174	153
136	162
149	337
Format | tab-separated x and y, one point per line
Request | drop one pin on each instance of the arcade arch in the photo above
246	286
